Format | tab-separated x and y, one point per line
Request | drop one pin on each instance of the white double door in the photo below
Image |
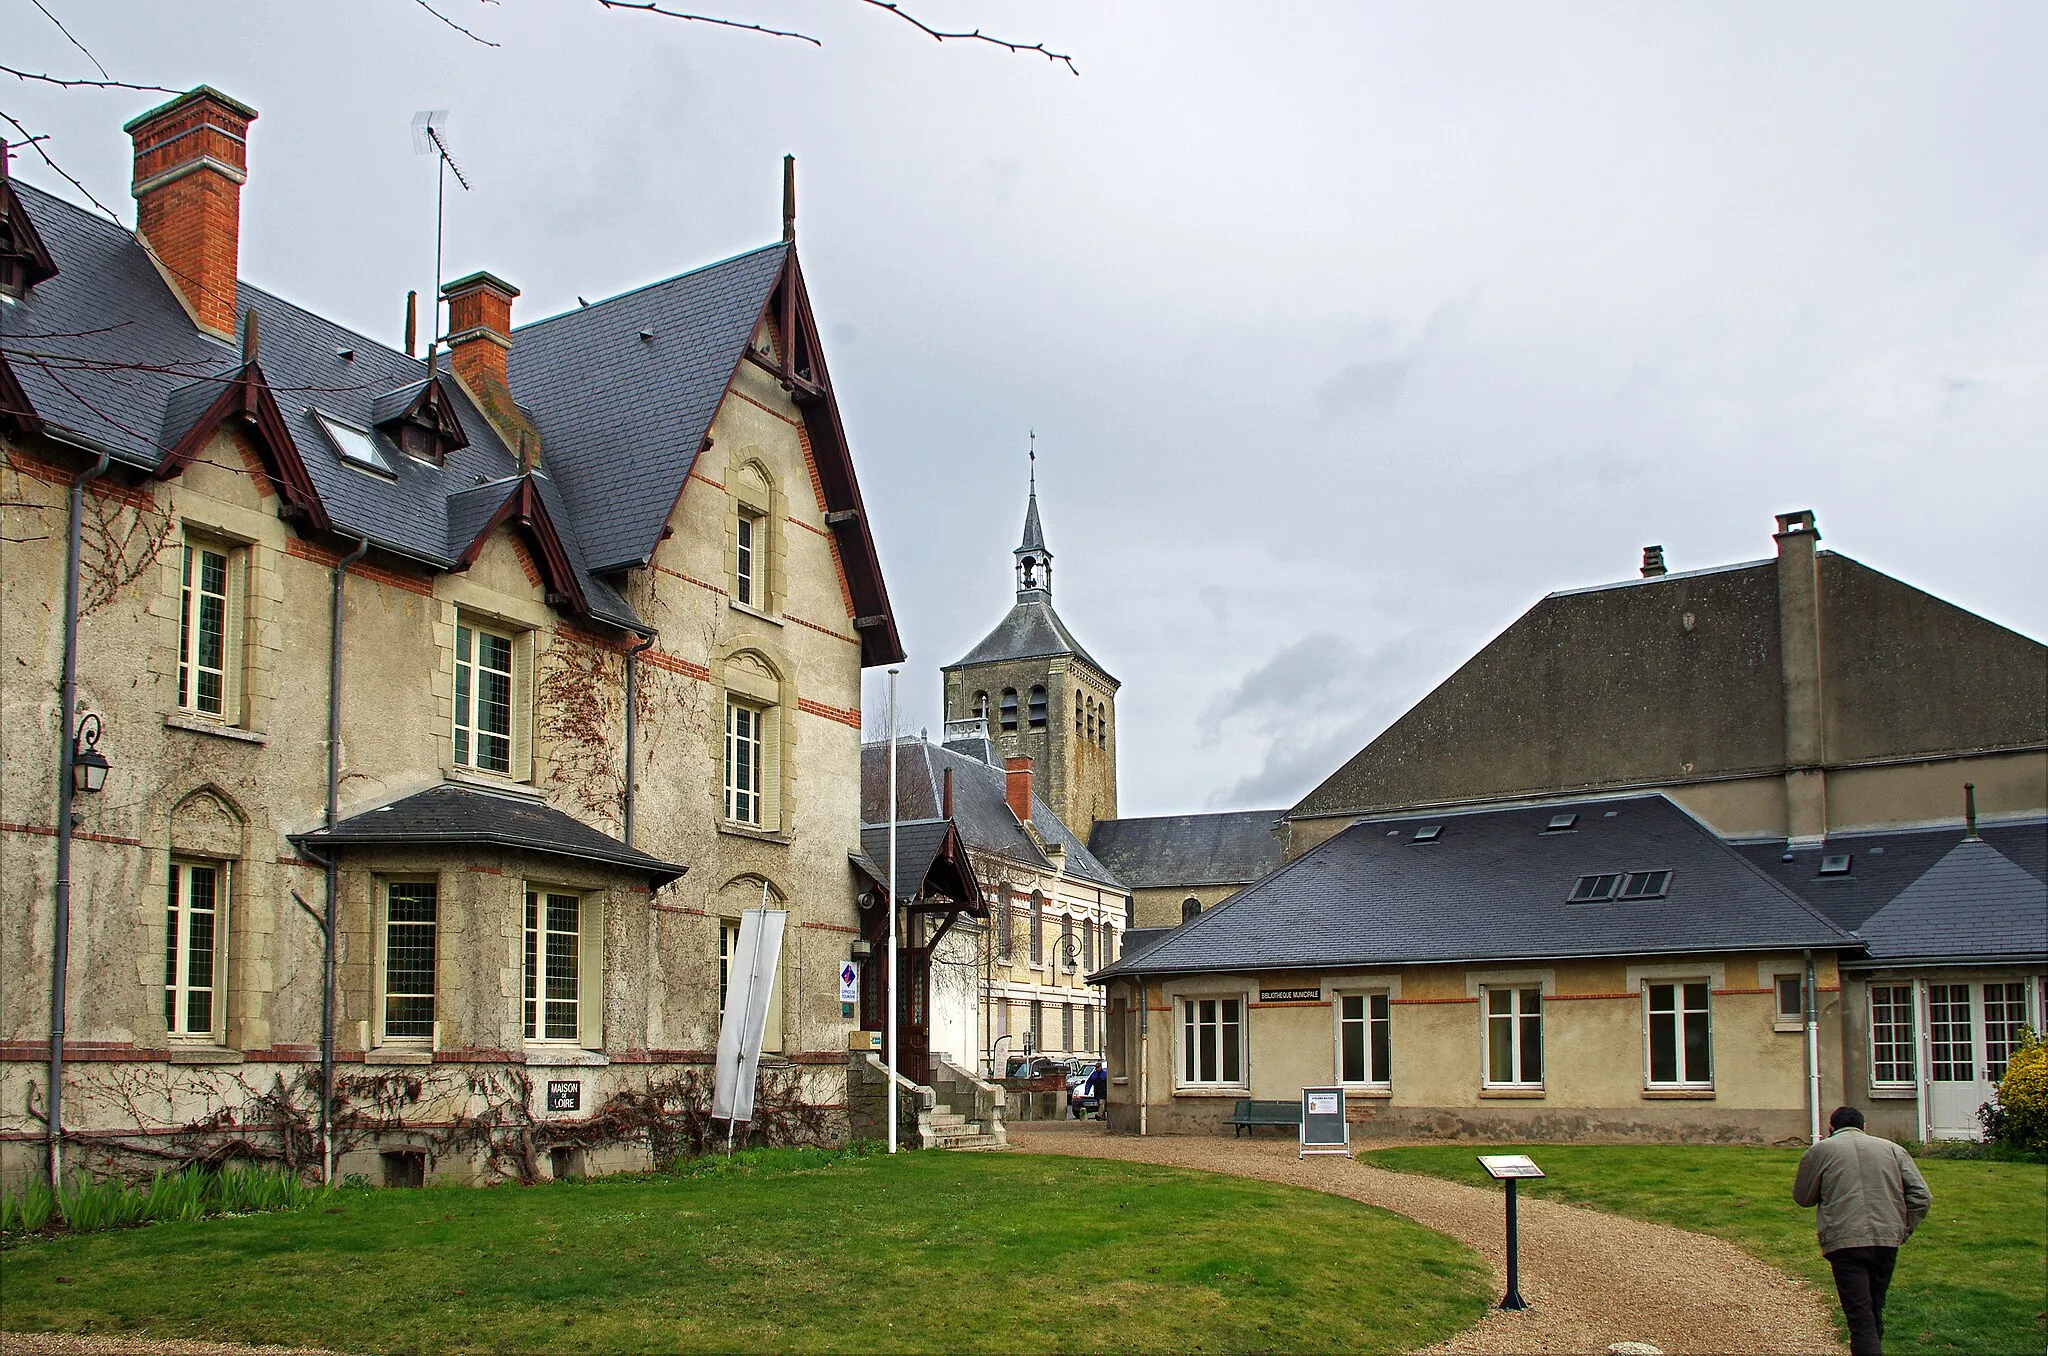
1972	1030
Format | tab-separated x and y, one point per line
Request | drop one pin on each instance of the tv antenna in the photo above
429	128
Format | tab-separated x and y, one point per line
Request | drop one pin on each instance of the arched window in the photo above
1091	722
1009	708
1189	907
1077	713
981	706
1102	730
1037	707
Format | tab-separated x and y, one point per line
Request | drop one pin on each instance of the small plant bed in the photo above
91	1205
781	1250
1974	1278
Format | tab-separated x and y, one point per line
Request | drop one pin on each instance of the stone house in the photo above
469	659
1180	865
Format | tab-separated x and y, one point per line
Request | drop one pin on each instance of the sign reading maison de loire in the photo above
1290	995
565	1094
1323	1127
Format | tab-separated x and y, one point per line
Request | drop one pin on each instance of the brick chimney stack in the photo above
1017	787
191	160
479	330
1653	562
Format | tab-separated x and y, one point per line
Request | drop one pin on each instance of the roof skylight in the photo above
1595	889
1835	864
1428	833
1646	885
1560	823
357	446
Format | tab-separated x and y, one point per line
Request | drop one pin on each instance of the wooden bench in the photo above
1250	1113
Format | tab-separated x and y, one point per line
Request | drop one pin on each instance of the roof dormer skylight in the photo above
1428	833
1835	864
1561	823
357	446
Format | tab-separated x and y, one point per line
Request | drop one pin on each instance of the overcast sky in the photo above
1348	330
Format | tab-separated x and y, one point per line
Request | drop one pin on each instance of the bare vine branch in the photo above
68	38
62	82
34	141
473	37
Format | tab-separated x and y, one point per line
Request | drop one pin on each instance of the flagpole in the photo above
893	1004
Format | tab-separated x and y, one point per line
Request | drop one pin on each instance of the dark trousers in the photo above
1862	1275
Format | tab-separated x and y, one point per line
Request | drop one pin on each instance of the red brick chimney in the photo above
1017	787
479	329
191	159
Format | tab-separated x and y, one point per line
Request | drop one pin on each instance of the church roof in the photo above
1175	851
1032	630
1034	535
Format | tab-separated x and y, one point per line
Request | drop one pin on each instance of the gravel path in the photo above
1591	1279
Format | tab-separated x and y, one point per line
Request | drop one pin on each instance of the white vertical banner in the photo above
749	983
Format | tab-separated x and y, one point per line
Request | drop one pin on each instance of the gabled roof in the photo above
1492	885
931	860
464	816
1883	862
1031	630
1173	851
981	811
1974	905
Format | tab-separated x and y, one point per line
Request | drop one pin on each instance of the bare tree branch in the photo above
62	83
1060	58
34	141
67	35
650	7
456	26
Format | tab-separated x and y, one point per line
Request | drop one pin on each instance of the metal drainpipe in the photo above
60	950
632	711
1144	1054
1812	1049
331	910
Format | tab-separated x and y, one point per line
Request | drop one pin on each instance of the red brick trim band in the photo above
42	831
1417	1002
838	713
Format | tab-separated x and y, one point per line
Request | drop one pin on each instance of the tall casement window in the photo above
1009	720
1514	1038
1102	730
1037	928
1006	925
1087	1028
1088	943
1037	707
554	945
1066	1026
489	702
209	630
2005	1012
1037	1029
1212	1041
411	928
748	574
1680	1034
1891	1034
744	750
1789	996
1950	1042
1364	1039
195	943
1079	704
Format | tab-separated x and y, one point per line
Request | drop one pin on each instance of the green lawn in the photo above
1974	1279
791	1250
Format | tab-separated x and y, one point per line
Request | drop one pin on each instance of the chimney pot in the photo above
1969	809
946	810
1796	524
479	329
1017	787
1653	562
191	160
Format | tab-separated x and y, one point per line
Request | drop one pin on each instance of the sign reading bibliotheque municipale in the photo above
1290	995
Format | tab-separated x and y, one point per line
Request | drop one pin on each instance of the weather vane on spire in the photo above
1034	461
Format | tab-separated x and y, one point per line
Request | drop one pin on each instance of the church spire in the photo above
1034	561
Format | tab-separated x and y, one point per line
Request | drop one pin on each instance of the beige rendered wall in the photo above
1162	908
232	791
1594	1059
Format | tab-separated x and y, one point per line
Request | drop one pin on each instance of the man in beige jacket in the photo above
1871	1198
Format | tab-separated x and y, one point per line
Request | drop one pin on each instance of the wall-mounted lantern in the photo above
88	765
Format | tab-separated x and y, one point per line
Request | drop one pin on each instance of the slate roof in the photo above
980	810
106	354
621	419
1492	887
451	815
1884	862
1030	630
917	846
1171	851
1975	904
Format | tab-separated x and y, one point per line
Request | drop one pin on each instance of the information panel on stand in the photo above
1501	1167
1323	1127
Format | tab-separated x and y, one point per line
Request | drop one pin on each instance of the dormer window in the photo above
24	261
421	420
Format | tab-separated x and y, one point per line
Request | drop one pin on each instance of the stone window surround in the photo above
737	672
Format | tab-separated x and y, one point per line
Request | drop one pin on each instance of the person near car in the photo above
1097	1086
1871	1198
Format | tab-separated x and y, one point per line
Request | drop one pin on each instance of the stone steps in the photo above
972	1140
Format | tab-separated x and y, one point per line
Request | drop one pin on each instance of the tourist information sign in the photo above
1323	1127
1511	1168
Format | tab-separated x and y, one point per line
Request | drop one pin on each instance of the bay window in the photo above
564	969
411	925
1891	1035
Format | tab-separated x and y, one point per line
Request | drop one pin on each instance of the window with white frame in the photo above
195	946
1514	1037
2005	1012
1891	1035
1789	994
1951	1055
1364	1039
1212	1042
490	703
745	750
1088	1028
1067	1026
728	944
1037	928
411	919
554	953
749	575
210	630
1679	1034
